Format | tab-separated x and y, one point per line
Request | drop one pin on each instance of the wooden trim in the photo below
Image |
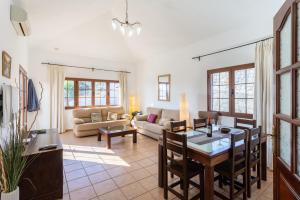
93	81
231	71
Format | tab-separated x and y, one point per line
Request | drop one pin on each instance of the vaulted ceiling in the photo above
83	27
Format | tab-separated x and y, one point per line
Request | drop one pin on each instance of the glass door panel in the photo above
298	32
285	94
298	151
285	142
286	44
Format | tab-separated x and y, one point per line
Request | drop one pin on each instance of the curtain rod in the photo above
235	47
79	67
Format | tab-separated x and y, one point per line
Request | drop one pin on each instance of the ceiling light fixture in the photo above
126	28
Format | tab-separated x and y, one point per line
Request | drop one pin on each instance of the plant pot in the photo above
14	195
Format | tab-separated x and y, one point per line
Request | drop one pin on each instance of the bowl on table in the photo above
225	130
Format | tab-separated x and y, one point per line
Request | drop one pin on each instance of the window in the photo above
89	93
231	90
164	87
69	93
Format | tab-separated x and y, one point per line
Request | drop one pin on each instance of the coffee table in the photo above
115	132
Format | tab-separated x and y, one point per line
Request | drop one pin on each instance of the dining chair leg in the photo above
165	183
249	182
259	175
231	189
201	181
220	181
245	183
185	189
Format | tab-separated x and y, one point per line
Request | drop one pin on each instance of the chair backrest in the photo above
254	147
177	144
178	126
209	114
244	123
239	151
199	123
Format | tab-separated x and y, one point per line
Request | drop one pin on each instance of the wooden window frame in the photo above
76	92
231	71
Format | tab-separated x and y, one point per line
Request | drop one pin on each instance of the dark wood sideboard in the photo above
43	178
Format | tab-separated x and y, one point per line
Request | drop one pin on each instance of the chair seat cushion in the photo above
225	168
193	168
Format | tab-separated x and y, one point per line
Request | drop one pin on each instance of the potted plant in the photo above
12	162
12	159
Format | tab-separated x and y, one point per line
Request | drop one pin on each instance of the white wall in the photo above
190	76
15	46
38	72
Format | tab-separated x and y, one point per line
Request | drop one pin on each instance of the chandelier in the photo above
126	28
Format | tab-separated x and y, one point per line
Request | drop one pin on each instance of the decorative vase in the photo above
14	195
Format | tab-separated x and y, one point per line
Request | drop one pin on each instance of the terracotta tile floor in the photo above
127	171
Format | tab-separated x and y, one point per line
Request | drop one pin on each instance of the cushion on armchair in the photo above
96	117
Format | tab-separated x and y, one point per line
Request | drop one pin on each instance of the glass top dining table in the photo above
199	141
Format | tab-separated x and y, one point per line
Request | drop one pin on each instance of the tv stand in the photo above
43	178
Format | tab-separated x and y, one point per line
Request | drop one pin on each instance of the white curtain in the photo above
123	90
263	106
57	78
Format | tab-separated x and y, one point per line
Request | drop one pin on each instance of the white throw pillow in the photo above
112	116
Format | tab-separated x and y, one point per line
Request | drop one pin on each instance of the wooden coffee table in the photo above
115	132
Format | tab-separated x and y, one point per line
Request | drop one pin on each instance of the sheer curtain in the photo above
123	91
57	78
263	106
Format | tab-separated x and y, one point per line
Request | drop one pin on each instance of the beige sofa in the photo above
83	125
154	130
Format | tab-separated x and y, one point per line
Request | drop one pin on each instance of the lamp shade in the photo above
184	108
133	104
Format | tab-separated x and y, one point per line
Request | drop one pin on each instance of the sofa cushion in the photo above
95	126
86	112
140	124
117	109
78	121
96	117
156	111
155	128
170	114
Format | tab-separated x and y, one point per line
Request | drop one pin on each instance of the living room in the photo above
96	88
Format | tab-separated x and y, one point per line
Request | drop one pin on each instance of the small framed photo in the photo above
6	64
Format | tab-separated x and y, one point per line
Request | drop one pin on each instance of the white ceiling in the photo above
83	27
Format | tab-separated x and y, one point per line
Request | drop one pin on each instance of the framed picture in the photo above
6	64
164	82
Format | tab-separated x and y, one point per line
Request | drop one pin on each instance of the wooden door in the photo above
23	95
287	111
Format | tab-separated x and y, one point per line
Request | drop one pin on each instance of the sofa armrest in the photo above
141	117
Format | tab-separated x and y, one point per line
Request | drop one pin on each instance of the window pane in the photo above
250	90
224	105
71	102
285	93
250	105
215	104
216	79
240	91
298	32
224	78
81	93
240	106
285	44
97	101
298	94
88	93
81	101
224	91
88	101
250	75
81	85
240	76
298	151
285	142
216	92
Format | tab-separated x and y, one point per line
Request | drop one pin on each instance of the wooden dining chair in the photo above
199	123
254	158
242	123
209	114
184	167
178	126
234	167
